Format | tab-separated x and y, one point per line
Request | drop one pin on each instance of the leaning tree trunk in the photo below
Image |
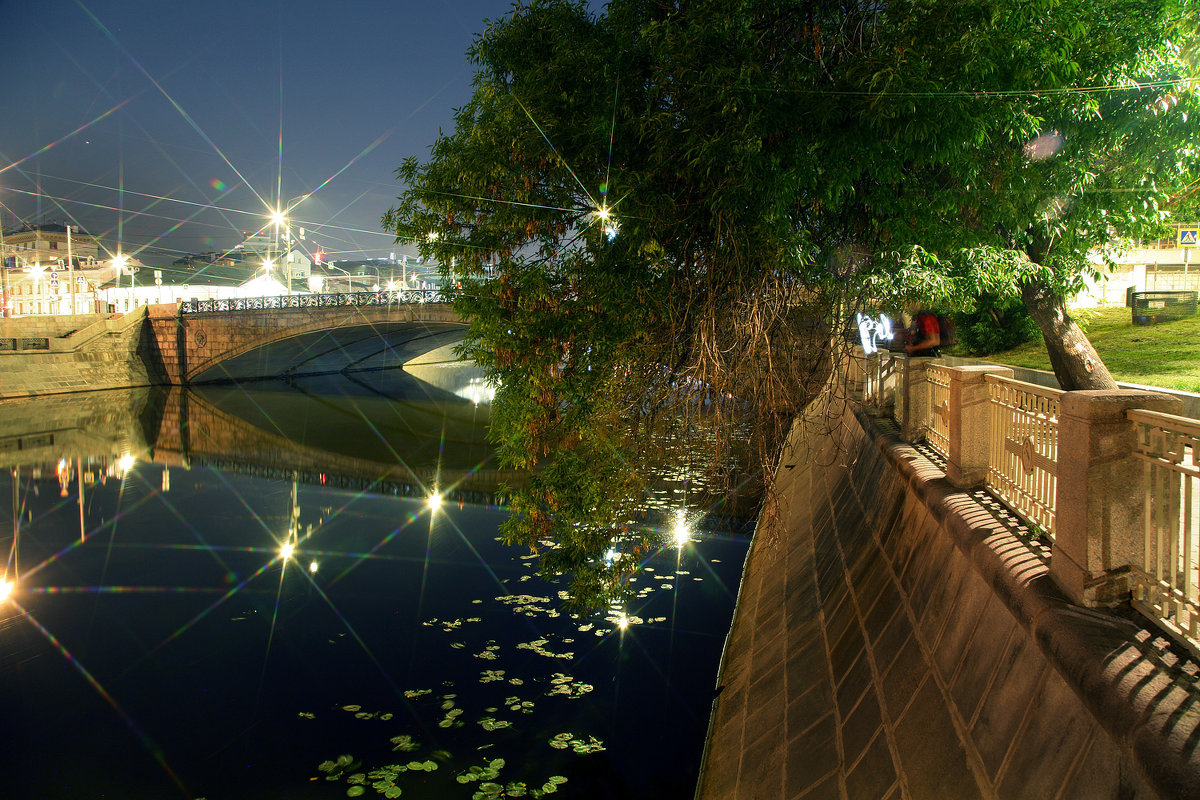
1075	362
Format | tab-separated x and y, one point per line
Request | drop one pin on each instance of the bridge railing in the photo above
328	300
1109	479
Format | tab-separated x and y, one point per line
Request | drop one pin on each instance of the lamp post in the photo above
6	306
279	217
349	277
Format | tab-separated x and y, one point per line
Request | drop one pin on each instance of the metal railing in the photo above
937	435
1023	448
1167	584
331	300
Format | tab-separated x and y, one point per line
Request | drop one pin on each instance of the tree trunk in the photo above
1076	363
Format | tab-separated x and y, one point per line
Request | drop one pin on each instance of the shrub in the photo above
995	325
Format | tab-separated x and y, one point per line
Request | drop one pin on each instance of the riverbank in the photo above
895	637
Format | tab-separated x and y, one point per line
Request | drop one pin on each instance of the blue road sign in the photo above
1189	237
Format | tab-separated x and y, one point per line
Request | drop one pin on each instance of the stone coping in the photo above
1143	692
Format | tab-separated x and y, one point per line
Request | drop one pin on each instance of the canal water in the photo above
245	592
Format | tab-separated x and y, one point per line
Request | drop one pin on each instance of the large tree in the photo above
659	217
1015	141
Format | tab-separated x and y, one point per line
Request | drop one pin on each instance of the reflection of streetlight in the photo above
680	534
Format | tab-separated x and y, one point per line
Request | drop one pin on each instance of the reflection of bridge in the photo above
201	340
179	428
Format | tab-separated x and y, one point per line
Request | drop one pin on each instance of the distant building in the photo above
36	277
1166	265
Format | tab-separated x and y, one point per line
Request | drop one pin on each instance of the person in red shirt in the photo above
925	335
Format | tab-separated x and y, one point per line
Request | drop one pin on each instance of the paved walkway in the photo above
888	643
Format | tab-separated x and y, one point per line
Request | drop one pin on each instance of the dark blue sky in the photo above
184	104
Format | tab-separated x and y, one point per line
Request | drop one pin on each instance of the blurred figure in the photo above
924	335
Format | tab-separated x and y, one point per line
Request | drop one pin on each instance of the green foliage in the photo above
994	325
657	214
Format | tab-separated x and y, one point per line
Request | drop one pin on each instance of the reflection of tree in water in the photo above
594	511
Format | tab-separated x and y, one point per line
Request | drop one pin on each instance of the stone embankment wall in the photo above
897	638
57	354
40	430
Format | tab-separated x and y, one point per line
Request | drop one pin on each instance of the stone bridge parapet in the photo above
194	343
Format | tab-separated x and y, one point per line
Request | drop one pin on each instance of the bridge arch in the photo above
196	343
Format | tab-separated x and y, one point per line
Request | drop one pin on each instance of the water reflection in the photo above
268	601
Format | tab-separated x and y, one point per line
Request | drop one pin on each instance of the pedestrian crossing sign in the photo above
1189	237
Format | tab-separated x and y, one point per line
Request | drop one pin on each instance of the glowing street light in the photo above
286	551
6	590
126	463
608	224
119	263
435	501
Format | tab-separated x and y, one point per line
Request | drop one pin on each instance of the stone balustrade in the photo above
1067	462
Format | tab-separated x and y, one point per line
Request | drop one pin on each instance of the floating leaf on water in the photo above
413	693
447	704
351	708
516	681
493	724
307	715
357	777
666	586
326	766
355	791
458	645
549	788
556	779
365	715
430	766
486	655
392	792
592	745
385	717
441	755
404	742
586	628
416	766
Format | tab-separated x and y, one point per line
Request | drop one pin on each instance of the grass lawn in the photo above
1166	355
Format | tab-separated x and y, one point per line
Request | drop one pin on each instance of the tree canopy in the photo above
659	218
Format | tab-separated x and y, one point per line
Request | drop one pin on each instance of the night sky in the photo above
208	112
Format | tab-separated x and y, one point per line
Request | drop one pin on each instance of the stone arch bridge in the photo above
204	341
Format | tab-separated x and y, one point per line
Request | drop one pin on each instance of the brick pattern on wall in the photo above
870	657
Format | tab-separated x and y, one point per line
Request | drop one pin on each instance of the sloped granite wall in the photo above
897	638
